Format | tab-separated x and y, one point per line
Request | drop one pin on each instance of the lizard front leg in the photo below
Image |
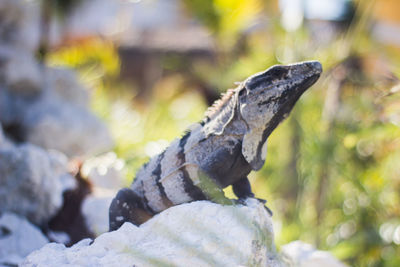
242	190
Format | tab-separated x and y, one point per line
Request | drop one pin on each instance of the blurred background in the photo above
152	67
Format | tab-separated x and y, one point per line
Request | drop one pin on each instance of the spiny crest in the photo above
219	104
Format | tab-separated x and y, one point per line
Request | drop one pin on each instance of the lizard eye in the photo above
242	92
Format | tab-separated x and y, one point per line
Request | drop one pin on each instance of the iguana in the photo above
224	147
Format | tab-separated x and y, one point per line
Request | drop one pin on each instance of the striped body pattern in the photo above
226	145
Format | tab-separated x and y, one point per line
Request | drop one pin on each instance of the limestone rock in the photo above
298	253
195	234
4	141
32	181
18	238
11	14
20	71
60	109
65	127
19	23
64	84
2	137
95	211
11	107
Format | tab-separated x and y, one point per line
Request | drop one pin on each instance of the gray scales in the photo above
224	147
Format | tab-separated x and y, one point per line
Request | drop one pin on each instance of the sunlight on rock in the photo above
233	236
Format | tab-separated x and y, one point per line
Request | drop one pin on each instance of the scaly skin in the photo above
226	146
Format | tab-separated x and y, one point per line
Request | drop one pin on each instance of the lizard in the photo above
229	143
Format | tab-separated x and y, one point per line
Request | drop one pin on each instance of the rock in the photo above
32	182
18	238
95	211
12	107
68	128
65	85
298	253
2	137
60	109
20	71
11	16
195	234
19	23
4	141
58	237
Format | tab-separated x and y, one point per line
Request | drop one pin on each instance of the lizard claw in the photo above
242	201
264	201
268	210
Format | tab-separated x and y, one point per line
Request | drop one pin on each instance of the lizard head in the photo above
266	98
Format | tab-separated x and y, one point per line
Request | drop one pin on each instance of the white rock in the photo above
29	32
18	238
21	72
59	110
11	106
59	237
65	127
64	84
32	182
298	253
3	140
195	234
11	13
95	211
19	23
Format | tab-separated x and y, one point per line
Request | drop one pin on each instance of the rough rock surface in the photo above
4	142
195	234
20	71
82	133
59	109
2	137
18	238
39	104
43	118
66	86
298	253
95	211
19	23
32	181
